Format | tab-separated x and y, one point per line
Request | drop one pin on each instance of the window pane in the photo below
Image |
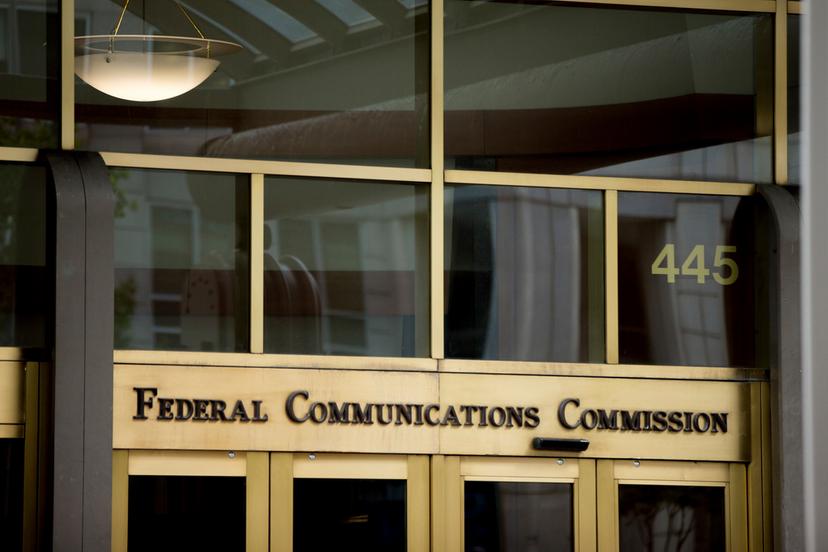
11	493
23	280
349	514
186	513
672	519
323	81
516	517
181	260
346	267
535	87
29	88
525	274
690	280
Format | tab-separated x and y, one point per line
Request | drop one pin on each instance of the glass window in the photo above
320	81
538	87
29	88
794	91
11	493
671	518
181	260
524	274
24	300
690	280
503	517
186	513
349	514
346	267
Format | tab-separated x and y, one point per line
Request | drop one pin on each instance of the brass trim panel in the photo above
30	454
636	371
203	359
258	502
281	502
349	466
276	168
120	500
186	462
462	366
417	508
587	509
11	431
12	394
725	5
767	469
597	183
25	155
755	471
483	468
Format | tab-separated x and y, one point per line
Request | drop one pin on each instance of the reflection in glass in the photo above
23	279
29	88
11	493
368	515
317	80
655	518
690	277
537	87
517	517
794	121
181	260
186	513
346	268
524	274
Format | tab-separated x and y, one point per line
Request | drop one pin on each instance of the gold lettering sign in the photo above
273	409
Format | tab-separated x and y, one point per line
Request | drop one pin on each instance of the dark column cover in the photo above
81	219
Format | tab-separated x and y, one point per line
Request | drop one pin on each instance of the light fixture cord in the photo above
120	19
180	7
190	19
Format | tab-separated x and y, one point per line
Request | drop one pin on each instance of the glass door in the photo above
327	501
518	504
671	506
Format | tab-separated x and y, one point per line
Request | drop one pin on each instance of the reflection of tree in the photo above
671	518
680	524
124	290
26	133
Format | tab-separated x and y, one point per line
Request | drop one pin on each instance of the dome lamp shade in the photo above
147	68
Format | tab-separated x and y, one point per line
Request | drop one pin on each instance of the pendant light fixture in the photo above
147	68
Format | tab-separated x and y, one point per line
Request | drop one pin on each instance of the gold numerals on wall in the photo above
694	265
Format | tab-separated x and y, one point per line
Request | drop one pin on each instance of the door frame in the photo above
250	465
450	472
731	476
287	466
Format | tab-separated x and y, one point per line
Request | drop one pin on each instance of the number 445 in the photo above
665	264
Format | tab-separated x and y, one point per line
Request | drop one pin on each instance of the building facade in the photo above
401	275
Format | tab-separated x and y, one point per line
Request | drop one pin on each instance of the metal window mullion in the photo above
257	263
436	196
67	74
611	274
